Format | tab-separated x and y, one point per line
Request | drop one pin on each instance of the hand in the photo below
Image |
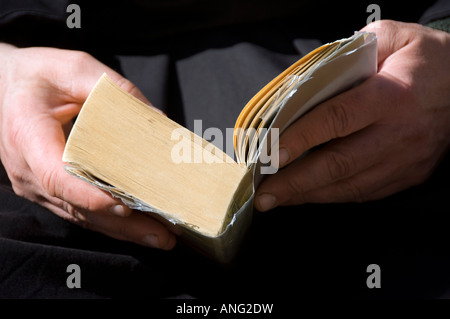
383	136
41	91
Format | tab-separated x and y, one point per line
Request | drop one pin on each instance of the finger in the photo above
337	160
45	146
84	81
86	71
391	35
138	228
340	116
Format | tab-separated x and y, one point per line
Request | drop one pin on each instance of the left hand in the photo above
385	135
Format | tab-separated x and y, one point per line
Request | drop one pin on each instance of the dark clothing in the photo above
197	60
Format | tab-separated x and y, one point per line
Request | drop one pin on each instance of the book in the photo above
123	146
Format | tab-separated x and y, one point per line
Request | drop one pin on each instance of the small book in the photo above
204	195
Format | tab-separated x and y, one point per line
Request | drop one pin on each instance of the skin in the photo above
383	136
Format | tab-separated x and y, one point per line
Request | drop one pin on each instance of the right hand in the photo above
383	136
41	92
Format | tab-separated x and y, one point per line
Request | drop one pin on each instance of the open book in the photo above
153	164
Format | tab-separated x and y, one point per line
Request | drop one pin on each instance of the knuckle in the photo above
123	230
164	240
406	92
86	203
80	221
300	198
70	209
124	84
92	205
20	182
57	190
18	188
351	192
338	163
422	171
291	141
302	141
403	95
75	216
297	140
15	175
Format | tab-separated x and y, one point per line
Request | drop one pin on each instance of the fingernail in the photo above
283	156
151	240
266	201
119	210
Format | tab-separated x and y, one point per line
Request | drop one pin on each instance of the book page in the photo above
355	63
